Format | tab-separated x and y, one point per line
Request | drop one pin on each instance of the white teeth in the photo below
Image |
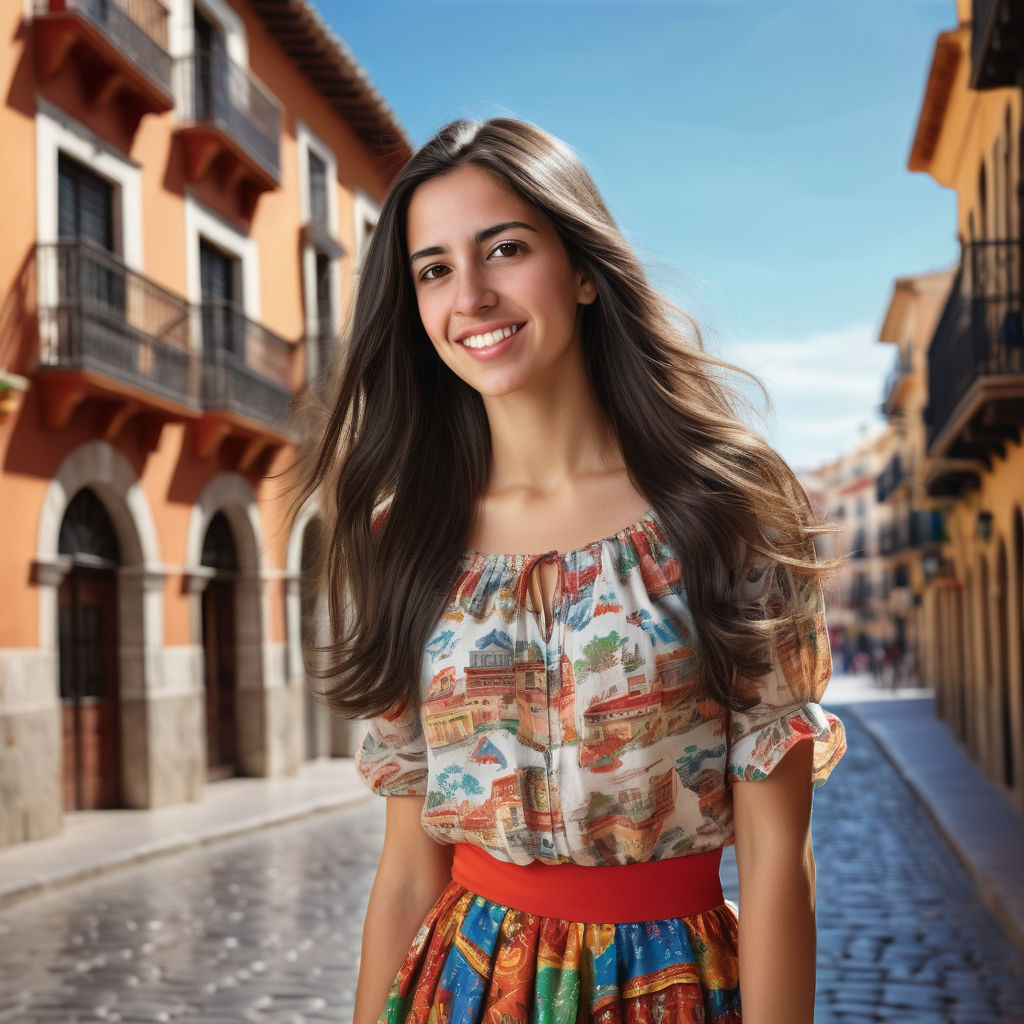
489	338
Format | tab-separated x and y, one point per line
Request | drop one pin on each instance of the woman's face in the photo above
496	292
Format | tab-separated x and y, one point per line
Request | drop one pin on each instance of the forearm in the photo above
778	943
393	917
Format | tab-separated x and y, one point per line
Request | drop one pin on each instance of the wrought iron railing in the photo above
246	368
95	313
980	332
917	529
215	90
138	28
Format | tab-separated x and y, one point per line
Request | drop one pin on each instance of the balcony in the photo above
108	333
922	528
976	368
891	479
232	126
113	337
927	528
120	46
997	43
248	377
897	383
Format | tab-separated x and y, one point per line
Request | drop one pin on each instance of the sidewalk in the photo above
93	842
971	813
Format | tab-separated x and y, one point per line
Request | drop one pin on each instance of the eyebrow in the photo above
480	236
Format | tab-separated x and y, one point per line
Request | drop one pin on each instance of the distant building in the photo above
914	535
844	492
185	193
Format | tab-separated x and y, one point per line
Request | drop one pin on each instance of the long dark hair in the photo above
404	455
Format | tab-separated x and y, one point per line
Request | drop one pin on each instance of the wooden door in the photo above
219	651
87	610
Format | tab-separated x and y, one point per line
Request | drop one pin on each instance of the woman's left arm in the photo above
777	934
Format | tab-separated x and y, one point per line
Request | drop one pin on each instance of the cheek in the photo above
430	317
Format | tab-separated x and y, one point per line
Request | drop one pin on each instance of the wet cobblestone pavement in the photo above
265	928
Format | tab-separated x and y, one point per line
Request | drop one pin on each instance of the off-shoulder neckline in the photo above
649	516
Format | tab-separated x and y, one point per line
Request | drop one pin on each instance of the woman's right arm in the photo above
412	873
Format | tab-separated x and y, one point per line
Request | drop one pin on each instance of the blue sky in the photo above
753	151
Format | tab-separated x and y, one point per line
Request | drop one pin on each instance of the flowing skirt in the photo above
475	961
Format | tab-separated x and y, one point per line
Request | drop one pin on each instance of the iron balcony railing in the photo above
137	28
919	528
979	333
215	90
245	368
96	314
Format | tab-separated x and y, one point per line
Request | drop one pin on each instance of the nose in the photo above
473	293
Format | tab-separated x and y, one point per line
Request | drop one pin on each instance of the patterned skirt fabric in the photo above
475	961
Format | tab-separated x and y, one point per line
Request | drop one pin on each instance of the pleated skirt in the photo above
474	961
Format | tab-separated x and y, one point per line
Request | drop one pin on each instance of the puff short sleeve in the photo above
392	759
787	709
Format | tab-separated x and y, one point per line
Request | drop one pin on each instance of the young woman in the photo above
567	729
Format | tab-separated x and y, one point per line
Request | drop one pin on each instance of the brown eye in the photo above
507	248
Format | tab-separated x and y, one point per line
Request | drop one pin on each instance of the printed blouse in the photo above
586	741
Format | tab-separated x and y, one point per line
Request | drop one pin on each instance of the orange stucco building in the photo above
185	193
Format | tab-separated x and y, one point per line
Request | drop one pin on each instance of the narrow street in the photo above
265	928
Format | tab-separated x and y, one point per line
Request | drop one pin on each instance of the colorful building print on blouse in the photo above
587	742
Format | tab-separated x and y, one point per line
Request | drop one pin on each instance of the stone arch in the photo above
140	582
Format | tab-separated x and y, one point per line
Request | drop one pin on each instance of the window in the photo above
85	204
223	321
318	209
87	275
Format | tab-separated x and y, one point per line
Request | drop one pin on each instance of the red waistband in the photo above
607	894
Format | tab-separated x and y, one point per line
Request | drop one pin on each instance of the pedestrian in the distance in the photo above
579	602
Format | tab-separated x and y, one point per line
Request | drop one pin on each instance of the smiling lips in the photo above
489	338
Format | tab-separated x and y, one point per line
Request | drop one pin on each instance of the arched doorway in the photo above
219	649
87	627
317	722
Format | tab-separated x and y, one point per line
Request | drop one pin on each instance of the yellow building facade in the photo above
969	138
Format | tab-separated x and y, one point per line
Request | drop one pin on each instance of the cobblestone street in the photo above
264	928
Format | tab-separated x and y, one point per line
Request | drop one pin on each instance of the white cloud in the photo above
825	389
